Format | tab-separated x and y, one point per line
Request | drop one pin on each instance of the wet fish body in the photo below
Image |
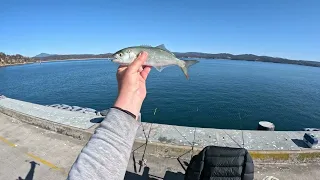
158	57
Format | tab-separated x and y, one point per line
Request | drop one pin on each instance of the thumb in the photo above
138	62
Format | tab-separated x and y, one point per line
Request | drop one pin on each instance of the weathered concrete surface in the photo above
288	171
174	141
15	165
201	137
81	134
170	169
69	118
266	146
22	144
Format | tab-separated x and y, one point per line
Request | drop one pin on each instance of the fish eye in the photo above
120	54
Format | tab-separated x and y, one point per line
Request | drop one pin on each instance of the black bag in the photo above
221	163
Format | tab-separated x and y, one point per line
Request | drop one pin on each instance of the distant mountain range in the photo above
246	57
42	55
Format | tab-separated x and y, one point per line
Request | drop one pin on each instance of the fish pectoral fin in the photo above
160	68
161	46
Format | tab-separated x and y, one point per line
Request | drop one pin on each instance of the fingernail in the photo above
142	53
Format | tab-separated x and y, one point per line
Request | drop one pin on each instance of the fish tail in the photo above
186	65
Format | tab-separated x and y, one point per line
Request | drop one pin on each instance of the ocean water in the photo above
219	94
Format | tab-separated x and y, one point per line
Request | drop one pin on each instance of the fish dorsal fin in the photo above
145	45
161	46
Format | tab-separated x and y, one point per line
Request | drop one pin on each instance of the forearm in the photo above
107	153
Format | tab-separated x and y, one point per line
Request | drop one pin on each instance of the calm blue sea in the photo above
219	94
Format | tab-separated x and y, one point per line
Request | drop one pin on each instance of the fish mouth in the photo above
115	60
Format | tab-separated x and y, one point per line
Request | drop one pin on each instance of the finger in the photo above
138	62
122	68
145	72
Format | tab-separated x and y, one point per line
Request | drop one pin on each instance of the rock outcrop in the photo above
14	59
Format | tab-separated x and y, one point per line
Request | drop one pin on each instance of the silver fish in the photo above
158	57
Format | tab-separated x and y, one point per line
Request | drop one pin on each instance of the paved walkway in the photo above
28	152
170	169
27	149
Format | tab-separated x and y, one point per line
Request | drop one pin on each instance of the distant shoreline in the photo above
226	56
47	61
83	59
71	59
204	56
9	60
16	64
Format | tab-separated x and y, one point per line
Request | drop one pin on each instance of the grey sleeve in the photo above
107	153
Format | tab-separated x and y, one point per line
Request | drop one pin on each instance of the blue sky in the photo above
283	28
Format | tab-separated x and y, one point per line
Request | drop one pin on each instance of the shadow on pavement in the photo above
31	171
300	143
174	176
168	176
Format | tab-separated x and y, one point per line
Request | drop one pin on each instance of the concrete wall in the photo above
174	141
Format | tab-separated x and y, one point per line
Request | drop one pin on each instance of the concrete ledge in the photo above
74	132
183	142
61	116
186	152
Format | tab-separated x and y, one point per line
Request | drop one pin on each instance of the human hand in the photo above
132	85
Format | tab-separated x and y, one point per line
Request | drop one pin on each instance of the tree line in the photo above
19	59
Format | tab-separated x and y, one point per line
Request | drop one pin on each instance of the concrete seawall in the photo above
167	140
